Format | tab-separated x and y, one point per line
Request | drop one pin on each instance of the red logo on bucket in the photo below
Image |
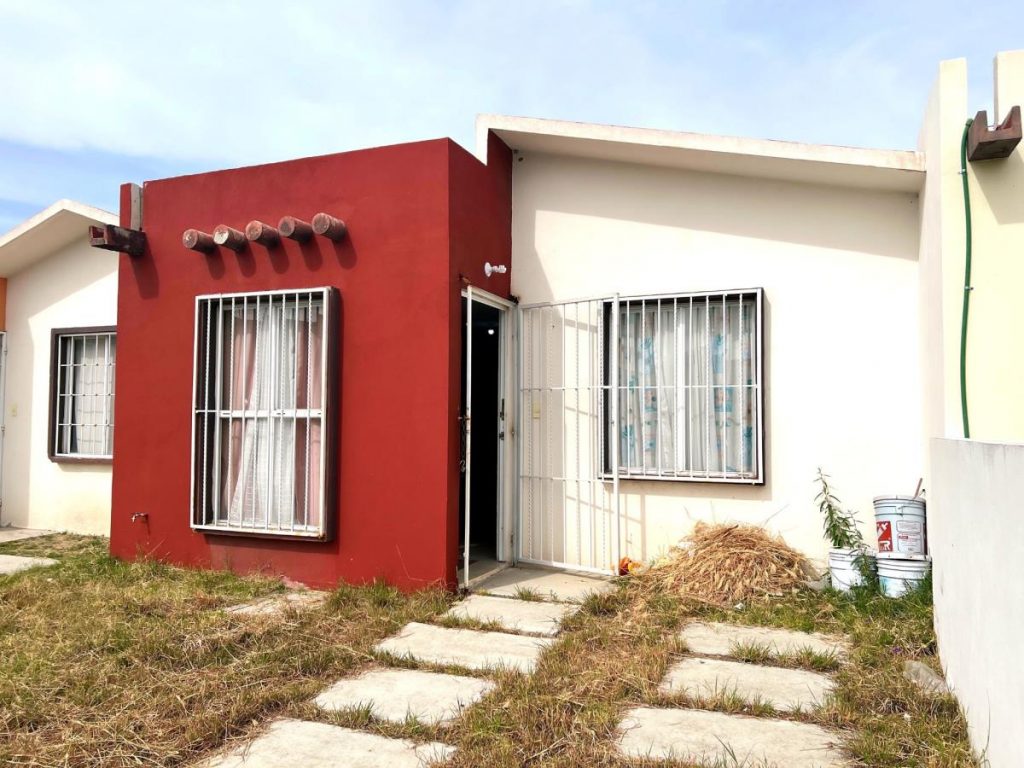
883	529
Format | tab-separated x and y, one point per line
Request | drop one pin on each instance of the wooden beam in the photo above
195	240
295	229
113	238
329	226
984	143
264	234
229	238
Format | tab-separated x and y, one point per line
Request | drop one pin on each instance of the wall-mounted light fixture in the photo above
491	269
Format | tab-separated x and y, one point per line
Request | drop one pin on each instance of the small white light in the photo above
490	269
490	331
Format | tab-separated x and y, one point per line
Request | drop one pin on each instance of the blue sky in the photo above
96	93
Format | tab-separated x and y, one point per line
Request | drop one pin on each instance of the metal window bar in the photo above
693	399
83	402
254	466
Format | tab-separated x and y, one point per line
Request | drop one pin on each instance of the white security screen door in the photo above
568	500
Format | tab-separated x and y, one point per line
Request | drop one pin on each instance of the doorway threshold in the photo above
550	585
480	570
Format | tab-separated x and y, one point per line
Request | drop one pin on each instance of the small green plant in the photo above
840	527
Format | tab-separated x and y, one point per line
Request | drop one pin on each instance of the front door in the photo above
485	417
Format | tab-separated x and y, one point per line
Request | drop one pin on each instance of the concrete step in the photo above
721	640
14	563
396	694
514	615
289	743
557	586
466	648
714	738
786	690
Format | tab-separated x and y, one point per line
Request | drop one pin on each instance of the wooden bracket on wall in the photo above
295	229
264	234
113	238
984	143
195	240
330	227
229	237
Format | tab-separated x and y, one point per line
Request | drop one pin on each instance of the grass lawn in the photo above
115	664
107	663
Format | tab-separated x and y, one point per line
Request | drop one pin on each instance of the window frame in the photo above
56	334
330	384
759	476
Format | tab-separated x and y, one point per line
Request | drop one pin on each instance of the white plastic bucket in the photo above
842	567
897	577
900	527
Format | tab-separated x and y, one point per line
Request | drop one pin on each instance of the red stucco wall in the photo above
393	466
481	229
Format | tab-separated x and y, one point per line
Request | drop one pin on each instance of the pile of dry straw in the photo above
724	564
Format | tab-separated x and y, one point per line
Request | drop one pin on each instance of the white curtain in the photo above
88	412
269	459
686	397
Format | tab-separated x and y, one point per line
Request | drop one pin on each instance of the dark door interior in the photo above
486	425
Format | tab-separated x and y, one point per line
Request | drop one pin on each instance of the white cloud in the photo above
232	83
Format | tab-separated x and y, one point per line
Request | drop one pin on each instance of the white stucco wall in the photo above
74	287
839	270
975	530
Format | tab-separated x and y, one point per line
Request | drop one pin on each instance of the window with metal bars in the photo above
82	394
262	379
687	375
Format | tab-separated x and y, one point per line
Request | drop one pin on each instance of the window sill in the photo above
82	459
607	477
310	536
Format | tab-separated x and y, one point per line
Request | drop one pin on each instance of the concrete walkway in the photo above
430	697
13	563
717	738
8	533
288	743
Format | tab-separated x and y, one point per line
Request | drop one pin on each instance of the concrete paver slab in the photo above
709	737
466	647
17	534
514	615
785	689
395	694
558	586
721	639
289	743
275	604
13	563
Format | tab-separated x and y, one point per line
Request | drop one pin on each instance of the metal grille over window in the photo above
84	395
260	412
689	387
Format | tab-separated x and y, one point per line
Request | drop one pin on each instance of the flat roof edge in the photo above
902	169
47	214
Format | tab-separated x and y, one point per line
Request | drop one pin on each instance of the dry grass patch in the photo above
115	664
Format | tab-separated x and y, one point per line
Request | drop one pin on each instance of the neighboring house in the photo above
569	349
57	329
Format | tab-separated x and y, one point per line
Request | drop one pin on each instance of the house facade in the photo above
58	351
417	364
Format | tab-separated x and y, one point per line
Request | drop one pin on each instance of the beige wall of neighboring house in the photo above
58	282
839	267
995	348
